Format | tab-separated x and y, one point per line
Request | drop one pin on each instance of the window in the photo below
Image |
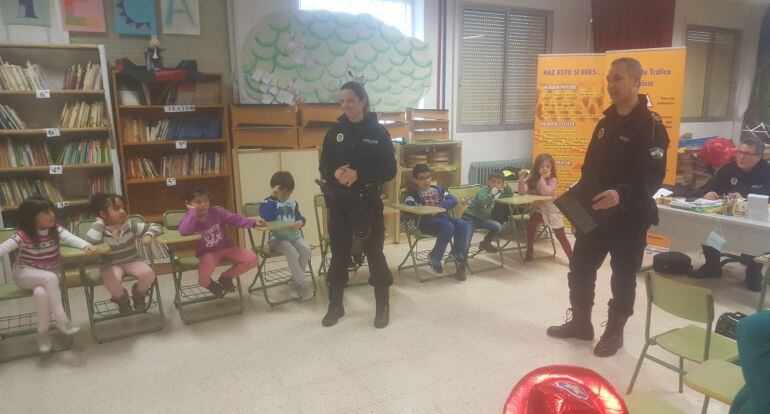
498	67
710	73
396	13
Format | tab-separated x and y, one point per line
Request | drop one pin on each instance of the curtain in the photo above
632	24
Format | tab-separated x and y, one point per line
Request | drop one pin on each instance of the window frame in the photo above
412	4
549	16
733	82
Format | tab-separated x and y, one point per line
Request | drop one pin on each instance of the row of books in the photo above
192	163
143	130
9	119
14	190
140	167
24	154
101	184
18	78
83	115
202	93
92	151
86	78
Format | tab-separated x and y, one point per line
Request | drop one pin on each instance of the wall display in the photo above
135	17
180	17
83	15
26	12
310	54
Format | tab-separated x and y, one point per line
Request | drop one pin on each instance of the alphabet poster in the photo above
135	17
180	17
26	12
83	15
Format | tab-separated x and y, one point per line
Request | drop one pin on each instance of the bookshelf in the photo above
65	158
171	137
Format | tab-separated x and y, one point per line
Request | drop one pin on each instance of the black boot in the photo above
382	314
612	339
336	310
753	273
578	325
712	267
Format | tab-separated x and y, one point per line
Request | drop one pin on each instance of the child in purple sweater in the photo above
215	245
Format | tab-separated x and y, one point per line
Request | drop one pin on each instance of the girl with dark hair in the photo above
37	262
356	159
542	181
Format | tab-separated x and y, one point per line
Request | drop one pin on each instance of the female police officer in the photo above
356	159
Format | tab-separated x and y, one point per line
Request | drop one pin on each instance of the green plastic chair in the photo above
107	310
410	224
270	278
765	261
649	404
716	379
465	193
23	324
357	262
691	342
186	295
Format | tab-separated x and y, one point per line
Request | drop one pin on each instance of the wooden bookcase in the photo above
154	195
41	110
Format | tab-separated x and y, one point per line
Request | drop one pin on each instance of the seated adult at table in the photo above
748	174
754	346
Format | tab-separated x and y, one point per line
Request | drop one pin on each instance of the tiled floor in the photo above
451	348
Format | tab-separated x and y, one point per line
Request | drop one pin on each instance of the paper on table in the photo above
662	193
757	209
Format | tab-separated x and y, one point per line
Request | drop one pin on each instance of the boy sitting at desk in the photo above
442	226
479	212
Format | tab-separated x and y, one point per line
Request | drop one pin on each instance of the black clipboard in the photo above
577	205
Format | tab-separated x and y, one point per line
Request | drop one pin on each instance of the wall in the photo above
211	49
748	19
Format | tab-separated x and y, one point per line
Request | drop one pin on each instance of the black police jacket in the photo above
365	145
731	179
628	154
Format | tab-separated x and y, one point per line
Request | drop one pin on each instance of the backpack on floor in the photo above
728	322
672	263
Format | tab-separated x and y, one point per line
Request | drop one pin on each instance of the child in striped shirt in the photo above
120	233
37	262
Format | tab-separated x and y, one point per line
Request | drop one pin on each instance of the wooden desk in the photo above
521	200
518	201
419	210
174	237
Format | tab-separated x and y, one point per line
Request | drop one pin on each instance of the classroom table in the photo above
514	203
419	210
171	237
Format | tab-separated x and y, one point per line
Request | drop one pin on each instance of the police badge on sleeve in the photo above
657	153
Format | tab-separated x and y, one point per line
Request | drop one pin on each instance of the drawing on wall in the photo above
83	16
180	17
310	54
26	12
135	17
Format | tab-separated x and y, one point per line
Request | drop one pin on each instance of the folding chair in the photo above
691	342
517	228
24	324
357	259
464	194
192	294
106	310
410	224
270	278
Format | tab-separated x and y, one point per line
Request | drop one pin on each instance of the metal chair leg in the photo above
638	367
681	375
705	408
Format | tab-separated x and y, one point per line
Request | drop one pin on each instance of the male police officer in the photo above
627	158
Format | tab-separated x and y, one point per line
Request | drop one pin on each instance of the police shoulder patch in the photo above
656	117
734	181
340	137
600	134
657	153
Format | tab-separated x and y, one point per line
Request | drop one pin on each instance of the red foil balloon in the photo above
561	389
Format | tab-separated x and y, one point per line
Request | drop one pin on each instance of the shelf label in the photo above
181	144
52	132
55	169
43	93
170	181
62	204
179	108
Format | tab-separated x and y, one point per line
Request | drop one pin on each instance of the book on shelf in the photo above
14	190
92	151
140	167
83	115
18	78
201	93
192	163
84	78
9	119
138	129
101	184
24	154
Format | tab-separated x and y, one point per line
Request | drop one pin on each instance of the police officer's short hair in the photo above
420	169
633	67
283	179
756	143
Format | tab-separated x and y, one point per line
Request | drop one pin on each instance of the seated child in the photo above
119	232
542	181
215	245
278	206
479	212
442	226
37	263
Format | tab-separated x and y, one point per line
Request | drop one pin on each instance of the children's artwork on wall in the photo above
26	12
310	54
83	16
180	17
135	17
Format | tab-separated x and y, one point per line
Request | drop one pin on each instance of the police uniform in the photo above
626	154
731	179
366	146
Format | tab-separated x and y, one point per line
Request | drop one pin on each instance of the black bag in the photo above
728	322
672	263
